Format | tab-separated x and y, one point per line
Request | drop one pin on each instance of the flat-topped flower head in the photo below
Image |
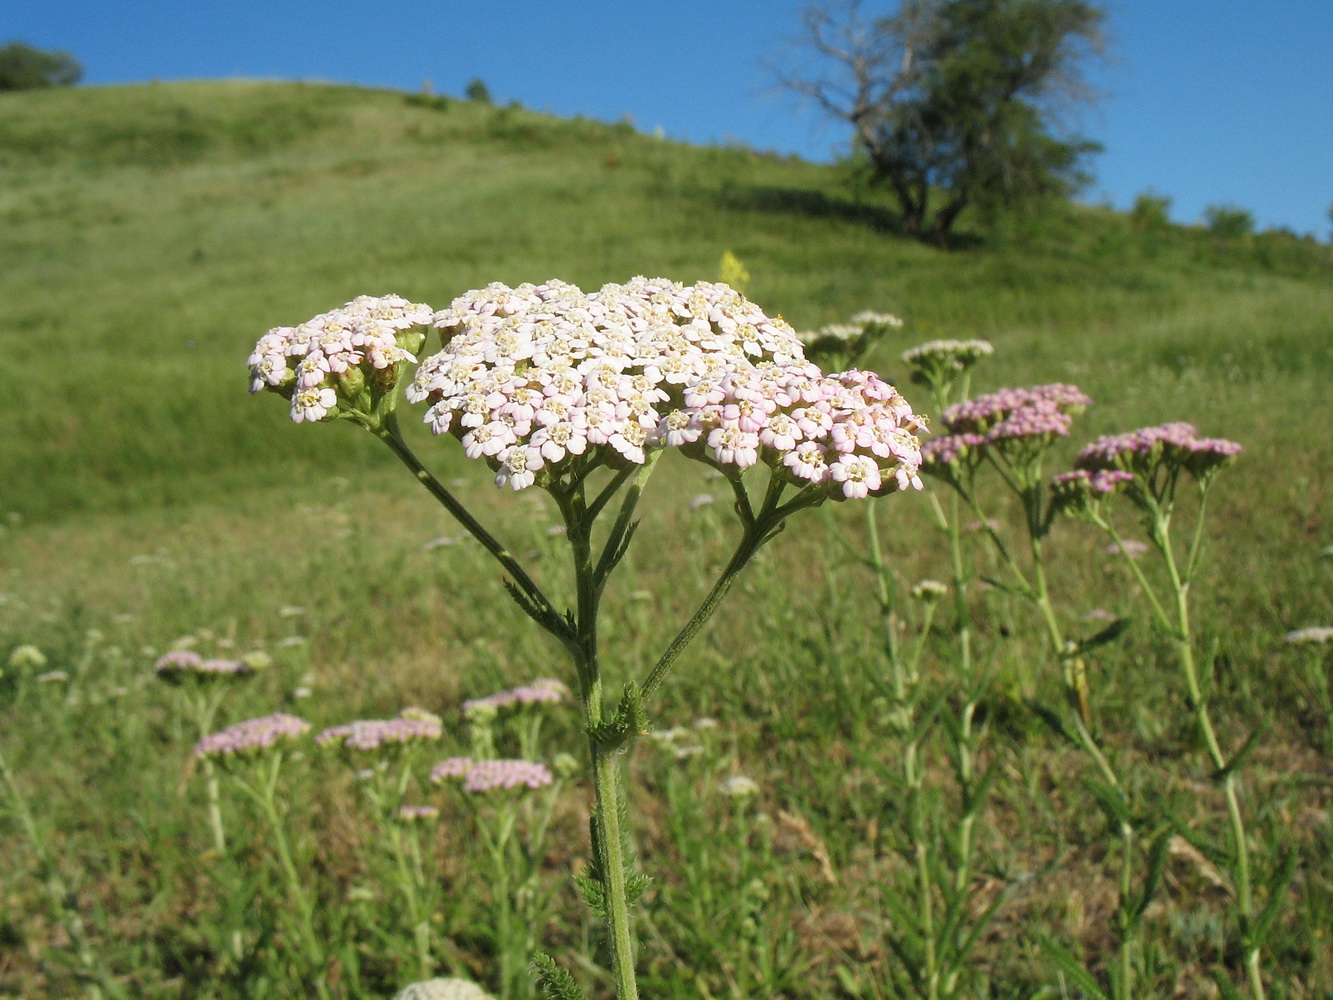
452	767
938	363
951	456
929	591
345	362
1010	413
842	345
185	665
1156	455
442	989
414	725
1078	491
416	813
544	381
480	776
1018	425
26	657
740	787
1313	635
543	691
250	738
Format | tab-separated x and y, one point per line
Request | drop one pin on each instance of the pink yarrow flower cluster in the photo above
1009	413
182	664
413	725
1174	445
349	356
1076	490
251	736
544	690
1013	420
545	380
488	775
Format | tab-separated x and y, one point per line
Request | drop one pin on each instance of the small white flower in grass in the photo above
739	787
1130	547
1314	635
443	989
416	813
929	591
52	677
27	656
869	318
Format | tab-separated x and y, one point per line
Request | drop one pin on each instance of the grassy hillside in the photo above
150	234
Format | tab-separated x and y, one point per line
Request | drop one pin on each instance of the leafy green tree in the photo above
1231	222
23	67
957	100
478	91
1151	211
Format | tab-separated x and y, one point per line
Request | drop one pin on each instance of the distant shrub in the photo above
1150	211
478	91
23	67
431	101
1228	221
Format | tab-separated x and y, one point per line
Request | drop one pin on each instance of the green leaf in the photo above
1152	879
1073	968
591	891
1105	637
1277	895
636	883
1111	799
558	983
1053	721
1005	588
1241	755
1225	986
632	715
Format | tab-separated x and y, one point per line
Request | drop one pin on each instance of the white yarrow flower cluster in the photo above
442	989
1312	635
547	381
350	356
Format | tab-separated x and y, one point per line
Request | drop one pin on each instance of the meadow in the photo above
150	234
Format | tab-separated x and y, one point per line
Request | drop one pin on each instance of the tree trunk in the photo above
948	215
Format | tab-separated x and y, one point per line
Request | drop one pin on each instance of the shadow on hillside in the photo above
813	204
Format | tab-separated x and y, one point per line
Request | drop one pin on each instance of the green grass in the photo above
150	234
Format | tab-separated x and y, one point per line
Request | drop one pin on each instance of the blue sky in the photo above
1205	101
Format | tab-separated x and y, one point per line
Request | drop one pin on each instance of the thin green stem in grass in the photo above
390	434
264	795
1176	624
97	982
